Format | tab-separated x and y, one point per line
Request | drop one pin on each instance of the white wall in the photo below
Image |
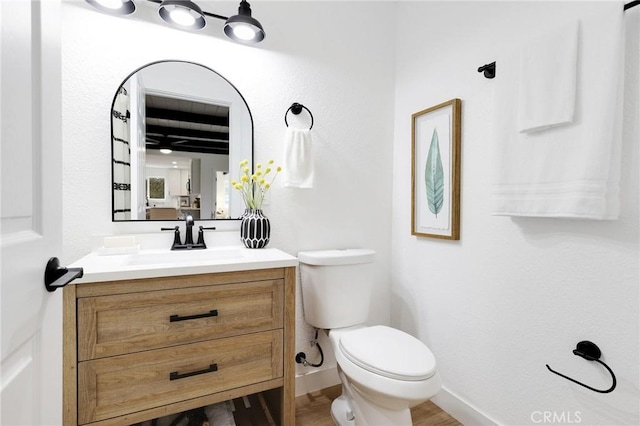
314	54
513	294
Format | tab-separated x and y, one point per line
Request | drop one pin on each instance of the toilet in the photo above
384	371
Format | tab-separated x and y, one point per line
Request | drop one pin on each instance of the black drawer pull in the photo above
212	313
175	375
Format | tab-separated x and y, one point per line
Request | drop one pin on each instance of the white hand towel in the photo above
547	89
298	161
571	171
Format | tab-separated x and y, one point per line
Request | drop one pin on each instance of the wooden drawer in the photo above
136	322
115	386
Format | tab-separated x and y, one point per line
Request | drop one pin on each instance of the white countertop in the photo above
166	263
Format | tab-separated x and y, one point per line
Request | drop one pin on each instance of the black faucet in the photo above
188	240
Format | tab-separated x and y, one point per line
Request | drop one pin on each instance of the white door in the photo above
31	212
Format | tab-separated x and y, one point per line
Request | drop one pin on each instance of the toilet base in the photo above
352	408
341	412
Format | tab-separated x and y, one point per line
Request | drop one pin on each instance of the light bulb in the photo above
110	4
182	17
244	32
165	151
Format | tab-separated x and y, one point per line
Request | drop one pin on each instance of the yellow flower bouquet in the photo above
255	186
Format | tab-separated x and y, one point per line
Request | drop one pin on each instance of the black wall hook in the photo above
591	352
489	70
296	109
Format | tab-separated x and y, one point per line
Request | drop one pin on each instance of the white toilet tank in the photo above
336	286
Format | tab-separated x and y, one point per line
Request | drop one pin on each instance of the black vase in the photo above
255	229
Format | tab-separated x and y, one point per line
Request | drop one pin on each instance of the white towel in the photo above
547	88
570	171
298	161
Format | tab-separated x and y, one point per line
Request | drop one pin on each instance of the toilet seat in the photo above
389	353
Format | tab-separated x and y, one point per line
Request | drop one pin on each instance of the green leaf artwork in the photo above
434	176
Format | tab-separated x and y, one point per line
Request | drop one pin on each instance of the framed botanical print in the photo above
435	171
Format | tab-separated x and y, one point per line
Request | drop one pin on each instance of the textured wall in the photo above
512	294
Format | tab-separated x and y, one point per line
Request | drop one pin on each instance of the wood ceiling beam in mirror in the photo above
187	126
190	117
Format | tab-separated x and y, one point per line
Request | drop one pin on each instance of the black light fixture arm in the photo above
590	352
213	15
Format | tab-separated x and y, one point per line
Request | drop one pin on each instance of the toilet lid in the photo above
389	353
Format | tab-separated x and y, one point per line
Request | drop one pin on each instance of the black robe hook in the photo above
590	352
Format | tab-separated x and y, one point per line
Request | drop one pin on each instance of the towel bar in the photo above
296	109
490	69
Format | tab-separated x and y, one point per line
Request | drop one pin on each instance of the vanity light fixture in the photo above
186	14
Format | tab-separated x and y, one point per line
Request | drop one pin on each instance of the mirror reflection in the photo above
179	131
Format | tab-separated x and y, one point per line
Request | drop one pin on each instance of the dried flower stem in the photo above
254	187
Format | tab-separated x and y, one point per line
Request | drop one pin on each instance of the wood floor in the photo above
313	409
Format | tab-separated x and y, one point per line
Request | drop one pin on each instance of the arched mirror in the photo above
178	133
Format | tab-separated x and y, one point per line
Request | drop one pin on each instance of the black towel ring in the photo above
296	109
591	352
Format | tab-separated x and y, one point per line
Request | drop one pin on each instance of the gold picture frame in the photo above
435	171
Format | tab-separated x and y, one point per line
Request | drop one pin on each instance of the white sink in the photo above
184	256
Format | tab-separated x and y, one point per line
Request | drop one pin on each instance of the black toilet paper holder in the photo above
591	352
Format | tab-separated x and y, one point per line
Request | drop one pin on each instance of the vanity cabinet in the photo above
140	349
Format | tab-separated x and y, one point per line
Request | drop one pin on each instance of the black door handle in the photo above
56	277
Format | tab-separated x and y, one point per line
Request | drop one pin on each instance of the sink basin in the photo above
184	256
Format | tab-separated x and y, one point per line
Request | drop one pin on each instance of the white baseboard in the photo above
460	410
316	380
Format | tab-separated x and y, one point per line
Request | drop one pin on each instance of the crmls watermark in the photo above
555	417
